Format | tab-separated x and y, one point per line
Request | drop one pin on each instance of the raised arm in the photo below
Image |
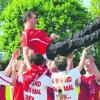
81	63
83	57
97	76
14	73
95	71
70	61
8	69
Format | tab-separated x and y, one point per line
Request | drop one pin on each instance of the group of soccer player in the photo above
40	70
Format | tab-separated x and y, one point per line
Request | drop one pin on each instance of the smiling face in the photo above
89	63
21	66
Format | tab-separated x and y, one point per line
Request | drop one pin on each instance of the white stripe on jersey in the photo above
36	39
4	80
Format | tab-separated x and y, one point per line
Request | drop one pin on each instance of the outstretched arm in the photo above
81	63
15	55
14	73
83	57
96	72
97	76
70	61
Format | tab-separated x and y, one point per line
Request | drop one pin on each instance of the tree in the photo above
3	4
63	17
95	7
95	11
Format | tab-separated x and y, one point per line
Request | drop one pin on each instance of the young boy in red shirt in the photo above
34	38
38	40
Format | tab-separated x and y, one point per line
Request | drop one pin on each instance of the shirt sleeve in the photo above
46	38
28	77
75	73
48	81
31	76
4	80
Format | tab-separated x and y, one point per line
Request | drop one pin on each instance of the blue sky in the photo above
86	3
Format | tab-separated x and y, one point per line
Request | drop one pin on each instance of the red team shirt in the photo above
38	41
32	75
23	83
18	91
38	89
35	39
89	89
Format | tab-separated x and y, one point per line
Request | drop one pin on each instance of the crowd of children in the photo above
46	71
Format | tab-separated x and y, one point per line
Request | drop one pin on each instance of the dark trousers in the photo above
94	26
68	45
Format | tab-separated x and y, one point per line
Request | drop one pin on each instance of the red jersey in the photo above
36	40
28	77
32	75
89	90
22	84
40	89
18	91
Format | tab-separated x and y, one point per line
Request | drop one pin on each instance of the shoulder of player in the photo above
40	31
44	77
55	75
27	31
74	69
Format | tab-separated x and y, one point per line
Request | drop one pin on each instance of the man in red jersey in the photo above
38	40
34	38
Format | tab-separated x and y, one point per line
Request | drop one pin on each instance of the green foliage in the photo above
63	17
3	4
95	7
4	60
95	11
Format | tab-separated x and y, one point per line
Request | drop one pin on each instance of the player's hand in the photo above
70	57
16	54
14	65
54	36
87	48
